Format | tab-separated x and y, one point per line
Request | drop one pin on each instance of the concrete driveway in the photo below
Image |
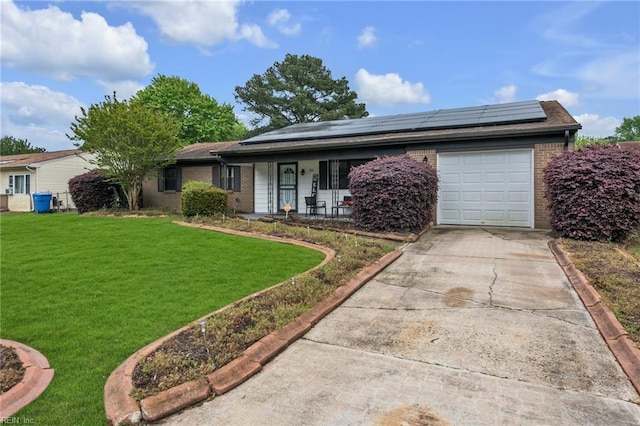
469	327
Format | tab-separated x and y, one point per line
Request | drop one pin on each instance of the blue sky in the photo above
399	57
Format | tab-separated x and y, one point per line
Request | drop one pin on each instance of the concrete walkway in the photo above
469	327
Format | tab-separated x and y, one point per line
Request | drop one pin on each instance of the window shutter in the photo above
236	178
179	178
161	180
216	176
324	165
27	184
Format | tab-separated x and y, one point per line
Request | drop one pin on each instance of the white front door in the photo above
492	188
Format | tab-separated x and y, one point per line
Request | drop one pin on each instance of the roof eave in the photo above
394	139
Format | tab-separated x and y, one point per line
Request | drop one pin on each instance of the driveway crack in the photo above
495	278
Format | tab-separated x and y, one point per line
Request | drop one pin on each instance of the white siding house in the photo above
22	175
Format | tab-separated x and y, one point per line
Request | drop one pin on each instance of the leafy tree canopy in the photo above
200	116
629	130
299	89
582	141
10	145
129	140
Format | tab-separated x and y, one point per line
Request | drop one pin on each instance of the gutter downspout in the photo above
565	147
31	206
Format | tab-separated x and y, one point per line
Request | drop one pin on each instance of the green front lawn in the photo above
87	292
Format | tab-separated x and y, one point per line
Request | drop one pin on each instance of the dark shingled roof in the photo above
202	150
557	120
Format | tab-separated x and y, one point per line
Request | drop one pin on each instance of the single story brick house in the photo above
197	162
489	159
22	175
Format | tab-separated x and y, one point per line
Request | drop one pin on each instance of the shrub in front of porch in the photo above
202	199
594	193
393	194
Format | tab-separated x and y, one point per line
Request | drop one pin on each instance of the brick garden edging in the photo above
614	334
37	377
121	408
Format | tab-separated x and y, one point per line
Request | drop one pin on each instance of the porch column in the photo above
270	184
335	182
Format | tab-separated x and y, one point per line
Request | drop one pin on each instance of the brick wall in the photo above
245	196
432	158
543	153
199	173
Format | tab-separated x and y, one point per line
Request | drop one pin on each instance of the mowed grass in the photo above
88	292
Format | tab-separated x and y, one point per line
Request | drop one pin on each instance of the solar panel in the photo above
515	112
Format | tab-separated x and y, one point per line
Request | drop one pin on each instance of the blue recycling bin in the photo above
42	202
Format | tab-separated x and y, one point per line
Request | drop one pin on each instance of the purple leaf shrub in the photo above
393	194
594	193
91	191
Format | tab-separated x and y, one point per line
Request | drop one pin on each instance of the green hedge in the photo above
203	199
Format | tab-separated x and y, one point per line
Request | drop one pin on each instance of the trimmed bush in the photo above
92	191
393	194
203	199
594	193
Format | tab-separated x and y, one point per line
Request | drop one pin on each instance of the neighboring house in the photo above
198	162
21	175
489	159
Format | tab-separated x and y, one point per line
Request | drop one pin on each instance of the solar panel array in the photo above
515	112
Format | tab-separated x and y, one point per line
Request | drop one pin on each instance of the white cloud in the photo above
593	125
253	33
203	23
37	113
505	94
52	42
367	38
565	97
280	18
389	89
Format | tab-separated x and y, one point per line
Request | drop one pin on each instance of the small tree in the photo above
130	142
393	194
594	193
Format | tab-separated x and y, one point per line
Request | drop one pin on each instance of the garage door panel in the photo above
472	215
453	196
472	178
519	177
486	188
446	178
471	196
518	197
495	196
494	177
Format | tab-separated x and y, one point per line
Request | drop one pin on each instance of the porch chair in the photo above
312	206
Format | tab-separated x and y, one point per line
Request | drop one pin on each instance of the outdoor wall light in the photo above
302	172
425	159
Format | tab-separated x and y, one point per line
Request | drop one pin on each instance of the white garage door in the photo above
486	188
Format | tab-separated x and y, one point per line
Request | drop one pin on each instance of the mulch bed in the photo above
11	368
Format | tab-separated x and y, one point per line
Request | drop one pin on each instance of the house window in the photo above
170	179
344	167
232	181
20	184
